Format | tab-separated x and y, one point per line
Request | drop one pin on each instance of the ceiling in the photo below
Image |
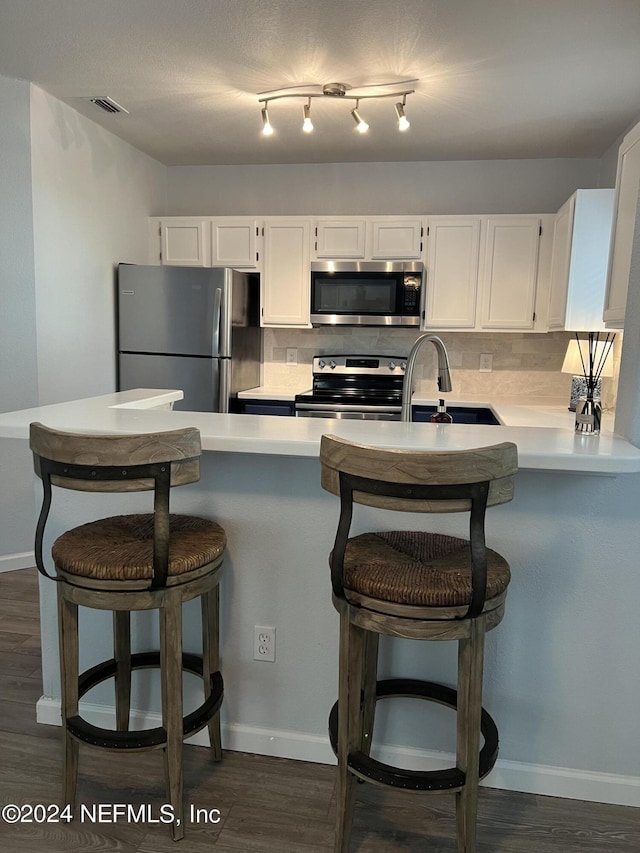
497	79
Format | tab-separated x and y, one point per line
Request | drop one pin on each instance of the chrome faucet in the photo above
444	377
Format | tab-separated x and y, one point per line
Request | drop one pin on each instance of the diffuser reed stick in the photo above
594	358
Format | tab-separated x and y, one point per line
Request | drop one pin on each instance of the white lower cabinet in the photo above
483	272
286	276
623	229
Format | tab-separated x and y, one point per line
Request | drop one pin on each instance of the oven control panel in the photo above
367	365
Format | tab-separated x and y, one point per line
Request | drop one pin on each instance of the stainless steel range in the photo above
354	386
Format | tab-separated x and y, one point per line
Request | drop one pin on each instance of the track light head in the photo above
307	124
267	130
403	121
361	125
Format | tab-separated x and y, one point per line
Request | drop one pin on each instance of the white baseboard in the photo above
509	775
13	562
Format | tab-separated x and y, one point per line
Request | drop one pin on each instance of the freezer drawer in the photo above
198	378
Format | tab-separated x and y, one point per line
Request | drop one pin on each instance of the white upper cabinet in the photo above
396	239
184	241
234	242
287	272
581	238
624	221
340	238
509	273
453	244
487	272
368	239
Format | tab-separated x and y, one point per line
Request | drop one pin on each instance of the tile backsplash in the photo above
524	365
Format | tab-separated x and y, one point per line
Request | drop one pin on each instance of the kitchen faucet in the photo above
444	377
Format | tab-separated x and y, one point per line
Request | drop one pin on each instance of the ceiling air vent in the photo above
108	105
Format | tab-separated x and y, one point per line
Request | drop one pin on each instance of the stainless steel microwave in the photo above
364	293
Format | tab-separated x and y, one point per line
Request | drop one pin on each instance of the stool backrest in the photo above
418	481
116	463
88	453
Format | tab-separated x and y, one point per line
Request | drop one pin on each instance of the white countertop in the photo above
555	448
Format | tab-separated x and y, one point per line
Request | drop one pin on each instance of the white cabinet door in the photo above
340	238
287	272
509	274
184	241
396	239
234	242
581	240
452	272
560	258
624	221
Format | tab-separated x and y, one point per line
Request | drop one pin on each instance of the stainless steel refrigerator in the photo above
189	328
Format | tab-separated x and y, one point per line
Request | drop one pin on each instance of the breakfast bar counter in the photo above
540	447
562	677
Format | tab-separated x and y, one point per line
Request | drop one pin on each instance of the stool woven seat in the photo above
121	547
417	568
417	585
126	563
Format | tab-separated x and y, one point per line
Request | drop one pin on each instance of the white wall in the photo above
478	186
18	373
92	194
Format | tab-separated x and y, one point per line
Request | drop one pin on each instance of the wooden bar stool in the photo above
421	586
125	563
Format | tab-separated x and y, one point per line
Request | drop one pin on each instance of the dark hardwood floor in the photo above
266	805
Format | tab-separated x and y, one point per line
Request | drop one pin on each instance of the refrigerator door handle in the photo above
217	312
224	384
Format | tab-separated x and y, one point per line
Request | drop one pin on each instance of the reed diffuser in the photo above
594	352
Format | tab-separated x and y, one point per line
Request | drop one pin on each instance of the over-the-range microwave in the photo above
366	293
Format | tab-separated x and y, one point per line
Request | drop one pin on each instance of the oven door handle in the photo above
337	407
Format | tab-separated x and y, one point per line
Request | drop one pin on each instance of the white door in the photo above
340	238
452	272
234	242
510	272
287	273
560	260
624	222
396	239
184	241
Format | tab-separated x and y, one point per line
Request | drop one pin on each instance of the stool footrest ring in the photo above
144	738
368	769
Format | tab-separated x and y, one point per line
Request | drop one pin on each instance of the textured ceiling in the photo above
497	78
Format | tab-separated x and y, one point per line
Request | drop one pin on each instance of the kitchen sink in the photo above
460	414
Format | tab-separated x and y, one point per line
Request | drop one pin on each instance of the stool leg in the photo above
171	678
369	680
211	660
122	655
470	666
352	642
69	671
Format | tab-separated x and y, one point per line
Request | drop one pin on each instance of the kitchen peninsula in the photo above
261	479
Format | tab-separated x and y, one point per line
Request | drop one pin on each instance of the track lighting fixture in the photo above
337	91
307	124
267	130
361	125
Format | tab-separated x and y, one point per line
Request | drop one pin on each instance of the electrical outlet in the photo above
486	362
264	643
292	355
